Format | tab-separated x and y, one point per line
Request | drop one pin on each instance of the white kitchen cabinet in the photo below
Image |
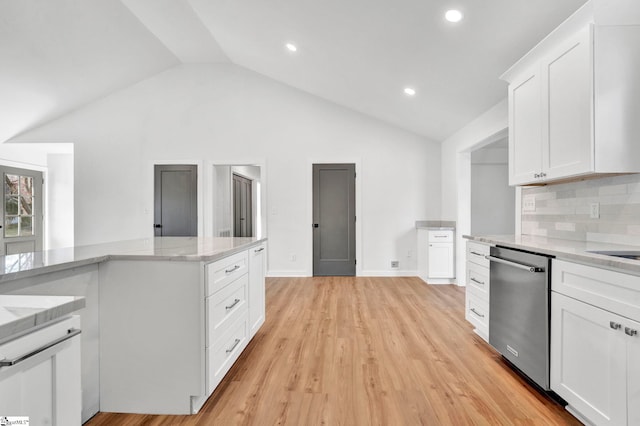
171	330
441	260
257	265
45	386
568	98
595	344
478	287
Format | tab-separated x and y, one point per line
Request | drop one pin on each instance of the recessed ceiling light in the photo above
453	15
409	91
291	47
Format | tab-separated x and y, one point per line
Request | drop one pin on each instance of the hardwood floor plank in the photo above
365	351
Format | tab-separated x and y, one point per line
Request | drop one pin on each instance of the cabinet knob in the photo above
630	332
615	325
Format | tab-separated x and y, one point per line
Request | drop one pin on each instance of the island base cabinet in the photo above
257	265
593	361
44	387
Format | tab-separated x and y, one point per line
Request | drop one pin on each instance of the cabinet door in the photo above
567	137
440	260
588	360
45	387
257	265
525	128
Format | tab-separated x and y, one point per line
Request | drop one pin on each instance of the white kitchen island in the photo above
165	317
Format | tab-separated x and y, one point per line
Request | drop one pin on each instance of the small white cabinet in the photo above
568	98
436	255
43	385
595	345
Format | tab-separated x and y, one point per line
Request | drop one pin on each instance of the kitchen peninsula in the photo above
165	317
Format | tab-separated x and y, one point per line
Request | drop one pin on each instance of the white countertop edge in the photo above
575	251
57	307
210	255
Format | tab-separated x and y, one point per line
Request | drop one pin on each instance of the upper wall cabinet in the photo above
572	100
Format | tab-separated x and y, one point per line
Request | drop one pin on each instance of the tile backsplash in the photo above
563	210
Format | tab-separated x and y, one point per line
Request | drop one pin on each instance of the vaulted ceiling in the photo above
56	55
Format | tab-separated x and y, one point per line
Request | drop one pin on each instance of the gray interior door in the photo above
21	228
242	207
334	207
176	201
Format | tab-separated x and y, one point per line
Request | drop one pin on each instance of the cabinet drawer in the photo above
225	271
478	280
221	356
225	306
477	313
476	253
609	290
445	236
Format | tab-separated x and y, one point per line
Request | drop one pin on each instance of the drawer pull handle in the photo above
630	332
235	302
476	253
234	346
477	313
615	325
235	268
258	250
9	362
476	281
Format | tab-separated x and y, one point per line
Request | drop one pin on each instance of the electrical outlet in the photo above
292	257
594	210
409	253
395	264
529	203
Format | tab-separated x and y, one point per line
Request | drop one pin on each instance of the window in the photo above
18	206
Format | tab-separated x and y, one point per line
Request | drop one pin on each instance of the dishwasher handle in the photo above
11	362
522	266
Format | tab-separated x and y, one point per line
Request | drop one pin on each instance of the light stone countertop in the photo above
21	313
436	224
574	251
192	249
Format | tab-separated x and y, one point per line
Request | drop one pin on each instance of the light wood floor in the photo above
365	351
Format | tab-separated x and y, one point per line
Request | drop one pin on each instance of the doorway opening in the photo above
237	200
334	219
493	201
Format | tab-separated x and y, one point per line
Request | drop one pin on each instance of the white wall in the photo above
223	112
456	173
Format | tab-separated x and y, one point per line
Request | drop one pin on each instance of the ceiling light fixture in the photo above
291	47
409	91
453	15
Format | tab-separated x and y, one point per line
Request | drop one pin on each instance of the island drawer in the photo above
477	313
226	306
478	280
613	291
225	271
221	356
476	253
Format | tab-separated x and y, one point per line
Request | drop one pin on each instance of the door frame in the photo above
309	174
149	210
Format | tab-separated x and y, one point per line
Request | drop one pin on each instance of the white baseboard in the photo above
292	273
394	273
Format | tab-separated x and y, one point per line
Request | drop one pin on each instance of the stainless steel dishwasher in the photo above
519	310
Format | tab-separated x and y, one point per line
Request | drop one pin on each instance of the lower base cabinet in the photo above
595	352
171	330
44	387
